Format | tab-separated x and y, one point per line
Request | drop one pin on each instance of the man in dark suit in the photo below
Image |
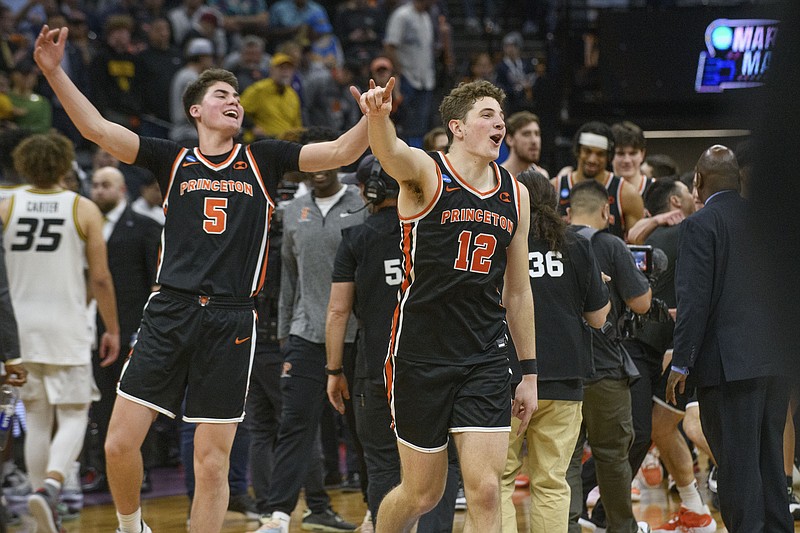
132	240
722	346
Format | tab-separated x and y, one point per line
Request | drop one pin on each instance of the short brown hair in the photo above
628	134
519	120
43	159
457	104
195	91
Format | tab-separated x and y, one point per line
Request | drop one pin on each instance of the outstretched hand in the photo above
49	48
377	100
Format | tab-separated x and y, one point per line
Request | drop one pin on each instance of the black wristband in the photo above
335	371
529	366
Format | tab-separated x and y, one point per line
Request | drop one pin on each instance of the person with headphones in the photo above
366	275
594	148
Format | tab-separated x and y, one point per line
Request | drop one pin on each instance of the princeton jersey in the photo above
454	260
215	238
616	222
45	257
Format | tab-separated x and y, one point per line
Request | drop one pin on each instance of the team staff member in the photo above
569	290
212	260
366	277
722	341
593	147
447	370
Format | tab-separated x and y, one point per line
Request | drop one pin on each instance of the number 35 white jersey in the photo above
45	258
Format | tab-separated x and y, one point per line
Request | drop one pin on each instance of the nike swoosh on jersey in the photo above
241	341
451	189
345	214
190	163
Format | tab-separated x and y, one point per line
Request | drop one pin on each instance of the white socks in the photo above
130	523
690	498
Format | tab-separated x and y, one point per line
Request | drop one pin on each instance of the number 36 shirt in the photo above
218	213
454	260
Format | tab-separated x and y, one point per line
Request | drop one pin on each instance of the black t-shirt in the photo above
218	209
627	282
658	335
564	287
370	256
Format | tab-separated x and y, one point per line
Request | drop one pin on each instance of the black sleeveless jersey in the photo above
645	186
616	222
215	237
370	256
454	260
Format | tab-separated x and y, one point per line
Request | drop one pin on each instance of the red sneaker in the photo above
686	521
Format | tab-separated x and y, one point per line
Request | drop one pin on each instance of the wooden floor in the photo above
168	514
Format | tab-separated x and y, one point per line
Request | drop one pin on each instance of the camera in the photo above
643	256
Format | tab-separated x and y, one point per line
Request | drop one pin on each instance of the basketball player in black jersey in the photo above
366	276
629	149
464	224
198	330
594	147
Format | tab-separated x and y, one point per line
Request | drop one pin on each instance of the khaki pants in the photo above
551	437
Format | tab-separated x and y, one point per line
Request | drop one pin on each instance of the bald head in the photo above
108	188
716	170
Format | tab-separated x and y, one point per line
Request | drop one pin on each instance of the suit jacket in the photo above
132	260
721	330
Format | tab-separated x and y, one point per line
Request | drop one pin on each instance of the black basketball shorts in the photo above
429	401
194	347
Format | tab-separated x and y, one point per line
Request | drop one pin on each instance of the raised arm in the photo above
409	166
113	138
338	153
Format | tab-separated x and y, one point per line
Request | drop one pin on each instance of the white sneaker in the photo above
145	528
593	496
366	525
278	522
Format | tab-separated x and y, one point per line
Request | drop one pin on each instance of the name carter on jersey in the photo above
477	215
216	186
41	207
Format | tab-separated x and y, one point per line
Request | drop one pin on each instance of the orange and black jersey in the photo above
454	260
218	208
616	221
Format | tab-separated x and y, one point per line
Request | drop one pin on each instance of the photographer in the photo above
607	399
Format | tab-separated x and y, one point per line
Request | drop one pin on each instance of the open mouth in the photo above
497	138
232	113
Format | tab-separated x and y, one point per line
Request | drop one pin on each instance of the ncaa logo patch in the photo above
191	159
446	178
564	193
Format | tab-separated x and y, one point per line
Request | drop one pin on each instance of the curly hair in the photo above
457	104
43	159
195	91
546	224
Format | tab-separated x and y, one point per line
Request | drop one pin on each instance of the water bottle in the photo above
8	402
